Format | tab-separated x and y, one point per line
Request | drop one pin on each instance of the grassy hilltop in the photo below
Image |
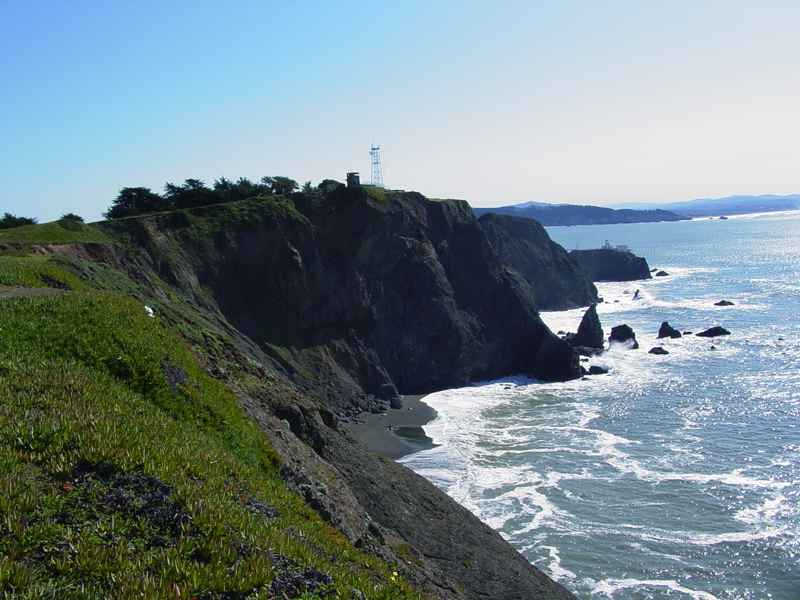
127	471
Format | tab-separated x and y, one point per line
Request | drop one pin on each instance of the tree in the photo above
280	186
135	201
192	193
328	185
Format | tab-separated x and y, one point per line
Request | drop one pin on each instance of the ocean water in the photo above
670	477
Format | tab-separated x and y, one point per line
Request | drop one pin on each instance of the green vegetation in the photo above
8	221
192	193
127	472
37	272
66	229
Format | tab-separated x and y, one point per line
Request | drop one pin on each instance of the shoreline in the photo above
397	432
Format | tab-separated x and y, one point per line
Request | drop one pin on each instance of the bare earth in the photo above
8	291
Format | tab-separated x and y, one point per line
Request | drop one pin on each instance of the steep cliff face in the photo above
523	244
380	506
610	265
363	292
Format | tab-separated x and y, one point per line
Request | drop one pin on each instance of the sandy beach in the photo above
396	432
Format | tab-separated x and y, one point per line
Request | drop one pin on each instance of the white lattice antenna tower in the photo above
376	177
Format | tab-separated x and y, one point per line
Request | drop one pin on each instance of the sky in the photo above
497	103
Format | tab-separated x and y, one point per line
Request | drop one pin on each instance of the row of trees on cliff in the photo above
193	192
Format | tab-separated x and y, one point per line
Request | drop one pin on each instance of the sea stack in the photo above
590	331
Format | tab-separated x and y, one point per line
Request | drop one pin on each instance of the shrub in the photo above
8	221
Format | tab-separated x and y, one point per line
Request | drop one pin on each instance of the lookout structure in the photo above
376	176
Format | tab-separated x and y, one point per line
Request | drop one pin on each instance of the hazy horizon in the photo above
495	103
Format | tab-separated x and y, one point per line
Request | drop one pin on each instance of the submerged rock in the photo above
723	303
622	334
658	350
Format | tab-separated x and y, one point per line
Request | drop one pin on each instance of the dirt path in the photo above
8	291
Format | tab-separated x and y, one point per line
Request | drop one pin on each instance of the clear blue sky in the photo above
587	102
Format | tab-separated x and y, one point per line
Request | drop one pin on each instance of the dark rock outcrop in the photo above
723	303
595	370
389	510
713	332
590	331
658	350
662	274
623	334
523	244
610	265
666	330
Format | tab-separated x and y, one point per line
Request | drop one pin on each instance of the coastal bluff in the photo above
310	308
363	293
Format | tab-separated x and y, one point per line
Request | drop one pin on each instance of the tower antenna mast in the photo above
376	177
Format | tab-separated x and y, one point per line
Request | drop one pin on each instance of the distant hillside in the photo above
730	205
569	214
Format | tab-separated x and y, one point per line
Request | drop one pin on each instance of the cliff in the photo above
304	309
610	265
361	293
523	244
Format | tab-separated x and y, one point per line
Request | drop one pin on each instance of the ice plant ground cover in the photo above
126	471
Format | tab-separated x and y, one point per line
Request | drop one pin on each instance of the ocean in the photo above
672	476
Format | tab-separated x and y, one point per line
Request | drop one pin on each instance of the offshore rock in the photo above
622	334
658	350
610	265
713	332
590	331
723	303
666	330
523	244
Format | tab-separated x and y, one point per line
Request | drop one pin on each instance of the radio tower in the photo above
376	178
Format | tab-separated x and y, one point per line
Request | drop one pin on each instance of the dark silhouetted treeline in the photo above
193	192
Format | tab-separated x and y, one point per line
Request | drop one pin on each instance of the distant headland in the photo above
555	215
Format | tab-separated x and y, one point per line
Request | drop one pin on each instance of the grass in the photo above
127	472
63	230
37	272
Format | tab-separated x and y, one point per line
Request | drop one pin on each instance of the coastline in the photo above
398	431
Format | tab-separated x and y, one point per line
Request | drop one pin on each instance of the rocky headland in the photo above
603	264
312	308
523	244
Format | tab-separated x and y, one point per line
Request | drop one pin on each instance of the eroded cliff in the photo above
522	243
363	293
